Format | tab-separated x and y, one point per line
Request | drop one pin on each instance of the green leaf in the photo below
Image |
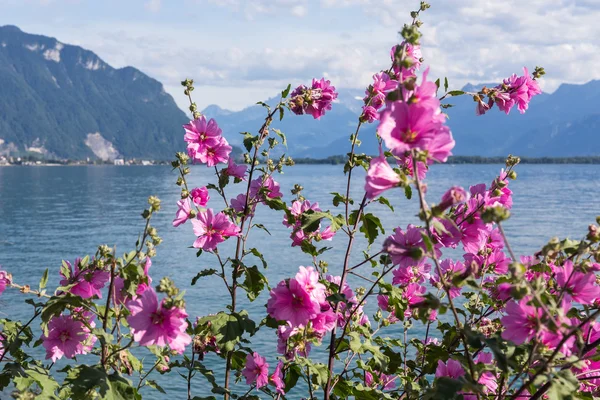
371	225
258	255
281	112
408	192
82	380
44	280
427	241
250	141
285	92
254	283
338	198
229	328
281	136
40	377
261	226
456	93
445	389
386	202
204	272
445	84
152	383
564	385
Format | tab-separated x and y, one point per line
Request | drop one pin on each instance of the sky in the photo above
242	51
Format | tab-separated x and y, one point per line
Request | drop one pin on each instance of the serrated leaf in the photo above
203	273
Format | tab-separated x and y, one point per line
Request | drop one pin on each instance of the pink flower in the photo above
153	324
451	369
239	204
405	248
407	164
66	337
412	53
424	94
382	83
376	93
142	287
276	379
235	170
314	101
414	293
87	282
297	209
200	196
521	90
449	268
256	370
269	186
201	133
308	278
405	127
369	114
327	234
415	274
212	154
521	322
580	287
483	107
292	303
453	196
386	381
380	176
212	229
324	322
5	280
184	208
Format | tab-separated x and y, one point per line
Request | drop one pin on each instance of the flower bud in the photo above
154	203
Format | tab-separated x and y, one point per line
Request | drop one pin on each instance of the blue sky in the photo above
242	51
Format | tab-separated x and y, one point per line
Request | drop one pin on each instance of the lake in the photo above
48	214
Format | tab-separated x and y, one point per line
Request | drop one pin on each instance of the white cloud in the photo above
262	45
153	5
299	11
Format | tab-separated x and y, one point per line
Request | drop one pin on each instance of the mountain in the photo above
562	124
64	101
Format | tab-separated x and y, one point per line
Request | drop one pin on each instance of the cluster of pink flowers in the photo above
302	303
256	371
299	236
314	100
206	145
411	55
514	91
87	280
153	323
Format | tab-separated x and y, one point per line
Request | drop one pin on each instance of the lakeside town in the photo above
34	161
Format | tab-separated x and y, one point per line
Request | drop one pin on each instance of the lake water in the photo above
52	213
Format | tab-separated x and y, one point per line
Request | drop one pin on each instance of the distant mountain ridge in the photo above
63	101
565	123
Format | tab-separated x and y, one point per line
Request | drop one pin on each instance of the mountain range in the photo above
63	101
565	123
